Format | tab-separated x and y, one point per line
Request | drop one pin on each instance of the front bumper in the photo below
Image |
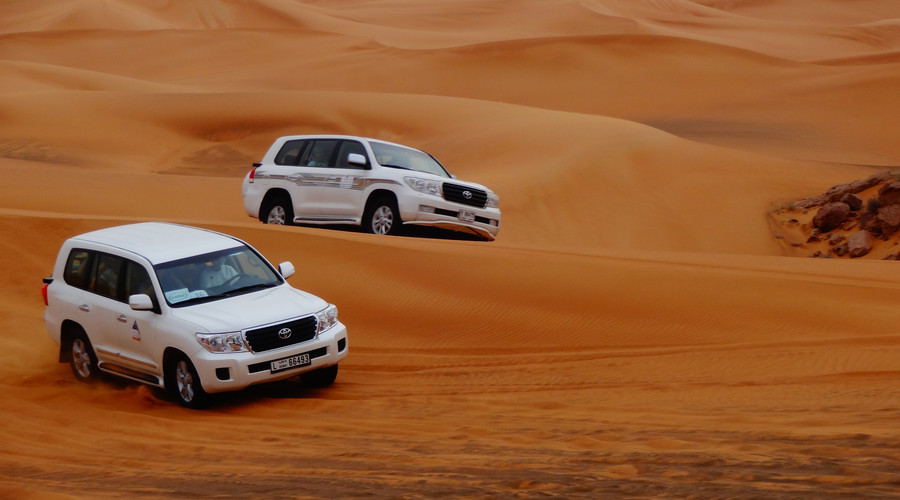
232	372
433	211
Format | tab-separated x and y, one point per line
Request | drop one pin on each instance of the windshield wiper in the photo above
197	300
395	166
248	289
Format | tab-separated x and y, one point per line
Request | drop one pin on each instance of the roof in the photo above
335	136
161	242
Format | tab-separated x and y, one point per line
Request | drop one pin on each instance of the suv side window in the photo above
320	154
290	152
346	149
108	275
106	280
77	272
137	281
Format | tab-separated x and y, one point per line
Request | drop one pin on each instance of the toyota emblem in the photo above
284	333
467	194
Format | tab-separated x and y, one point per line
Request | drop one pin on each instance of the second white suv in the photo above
379	185
186	309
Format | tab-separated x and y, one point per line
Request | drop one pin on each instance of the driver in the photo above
216	273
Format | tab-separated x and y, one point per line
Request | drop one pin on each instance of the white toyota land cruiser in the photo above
186	309
354	180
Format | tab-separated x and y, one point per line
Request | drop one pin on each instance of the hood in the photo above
250	310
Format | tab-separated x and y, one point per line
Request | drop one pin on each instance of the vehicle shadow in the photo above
291	388
411	231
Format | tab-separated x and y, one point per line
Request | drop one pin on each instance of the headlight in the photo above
493	201
424	185
222	342
327	318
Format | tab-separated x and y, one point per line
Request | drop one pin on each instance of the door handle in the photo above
122	318
85	307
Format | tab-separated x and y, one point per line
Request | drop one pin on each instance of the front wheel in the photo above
382	216
82	358
184	385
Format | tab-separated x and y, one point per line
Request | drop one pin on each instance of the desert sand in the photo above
635	331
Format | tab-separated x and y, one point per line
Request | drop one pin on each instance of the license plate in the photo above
467	216
292	362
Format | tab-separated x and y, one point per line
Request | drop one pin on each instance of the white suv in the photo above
186	309
354	180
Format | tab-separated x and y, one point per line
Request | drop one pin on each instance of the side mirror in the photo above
356	159
286	269
140	302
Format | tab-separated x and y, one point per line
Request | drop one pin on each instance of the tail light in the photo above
252	173
44	292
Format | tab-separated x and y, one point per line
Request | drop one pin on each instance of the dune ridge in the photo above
635	330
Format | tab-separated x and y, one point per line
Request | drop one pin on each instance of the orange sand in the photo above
635	330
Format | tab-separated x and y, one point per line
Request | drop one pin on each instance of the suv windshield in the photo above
214	276
389	155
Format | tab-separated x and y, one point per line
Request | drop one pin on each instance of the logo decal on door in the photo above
135	332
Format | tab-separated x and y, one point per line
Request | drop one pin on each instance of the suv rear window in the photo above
290	152
78	268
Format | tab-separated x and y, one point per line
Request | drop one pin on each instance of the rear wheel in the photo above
382	216
82	358
184	384
277	210
323	377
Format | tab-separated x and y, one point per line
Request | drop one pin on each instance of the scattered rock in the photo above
853	201
840	250
888	218
889	194
836	239
831	216
859	244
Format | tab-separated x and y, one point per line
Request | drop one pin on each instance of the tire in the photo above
277	210
382	216
321	378
184	385
82	358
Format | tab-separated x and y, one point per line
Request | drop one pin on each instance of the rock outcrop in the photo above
841	223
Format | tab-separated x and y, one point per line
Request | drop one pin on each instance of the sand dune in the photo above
635	330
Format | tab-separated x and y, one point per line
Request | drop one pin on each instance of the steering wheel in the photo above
234	279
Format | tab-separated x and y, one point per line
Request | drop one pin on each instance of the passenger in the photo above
216	274
317	159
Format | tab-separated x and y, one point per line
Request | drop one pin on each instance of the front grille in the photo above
268	338
457	194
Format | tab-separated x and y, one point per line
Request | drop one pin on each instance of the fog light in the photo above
426	209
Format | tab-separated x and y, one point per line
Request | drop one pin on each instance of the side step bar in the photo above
144	378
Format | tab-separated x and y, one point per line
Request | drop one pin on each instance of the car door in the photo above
342	193
76	301
129	335
312	171
288	173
